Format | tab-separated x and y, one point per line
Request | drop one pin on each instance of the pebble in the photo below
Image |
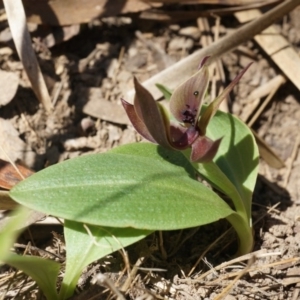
190	31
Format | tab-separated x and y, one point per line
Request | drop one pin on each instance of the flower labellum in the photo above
151	120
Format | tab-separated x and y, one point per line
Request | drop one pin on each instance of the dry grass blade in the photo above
165	15
101	279
270	89
132	275
265	103
17	23
207	250
253	99
276	46
257	254
169	77
230	286
293	157
259	267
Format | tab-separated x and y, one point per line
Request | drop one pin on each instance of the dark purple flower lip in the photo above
151	120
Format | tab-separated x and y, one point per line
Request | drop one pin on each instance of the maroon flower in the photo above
151	120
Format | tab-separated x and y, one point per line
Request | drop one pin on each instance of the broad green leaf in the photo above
43	271
87	245
237	157
139	185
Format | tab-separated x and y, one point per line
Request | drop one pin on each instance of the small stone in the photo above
174	27
229	297
190	31
181	43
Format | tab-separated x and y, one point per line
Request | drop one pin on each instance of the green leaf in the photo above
43	271
212	173
237	159
140	185
164	90
11	230
87	245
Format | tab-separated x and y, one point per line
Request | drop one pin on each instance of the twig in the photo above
296	292
253	99
266	102
33	248
132	275
182	70
259	267
161	246
259	253
266	213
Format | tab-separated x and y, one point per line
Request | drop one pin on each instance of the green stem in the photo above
241	220
214	175
244	232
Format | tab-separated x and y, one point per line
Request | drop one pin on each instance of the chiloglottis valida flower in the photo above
151	120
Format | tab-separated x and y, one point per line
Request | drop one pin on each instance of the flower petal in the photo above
204	149
214	105
185	102
136	122
182	137
152	114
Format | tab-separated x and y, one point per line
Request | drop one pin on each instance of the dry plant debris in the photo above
87	75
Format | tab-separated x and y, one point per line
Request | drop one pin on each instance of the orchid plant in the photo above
113	199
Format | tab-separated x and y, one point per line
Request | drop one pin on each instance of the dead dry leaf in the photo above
98	107
271	158
17	23
68	12
6	203
10	175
